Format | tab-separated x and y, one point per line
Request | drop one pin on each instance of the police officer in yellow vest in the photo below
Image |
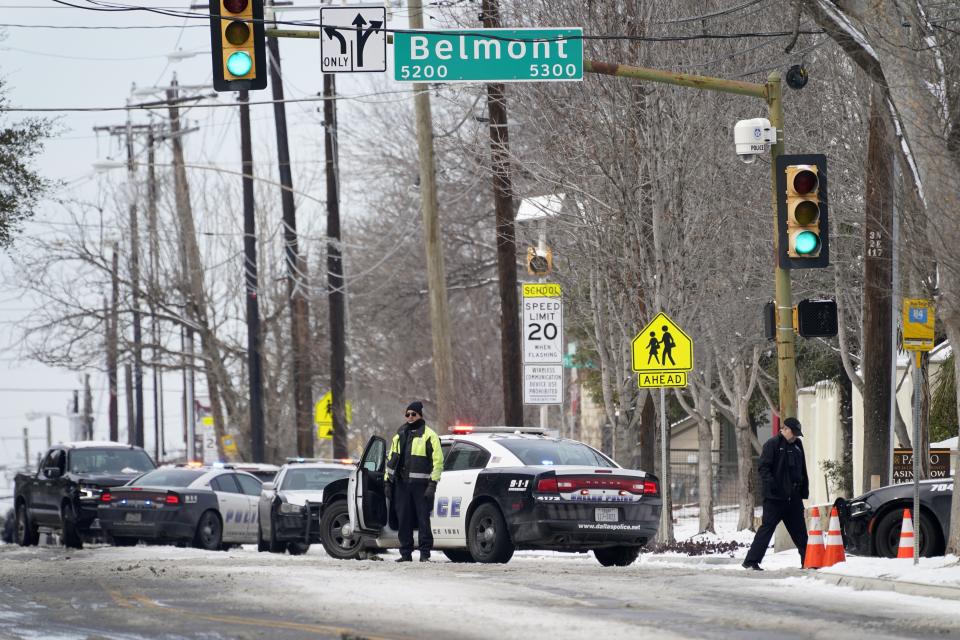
413	470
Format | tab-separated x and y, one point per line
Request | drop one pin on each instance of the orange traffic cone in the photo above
905	550
814	557
834	549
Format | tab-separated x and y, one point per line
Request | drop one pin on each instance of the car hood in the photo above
301	497
105	479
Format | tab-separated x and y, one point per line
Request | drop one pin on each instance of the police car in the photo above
504	489
290	505
871	523
209	507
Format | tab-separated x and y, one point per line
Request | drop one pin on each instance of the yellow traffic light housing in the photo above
539	263
237	44
802	211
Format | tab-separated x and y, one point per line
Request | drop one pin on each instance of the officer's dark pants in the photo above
413	512
791	513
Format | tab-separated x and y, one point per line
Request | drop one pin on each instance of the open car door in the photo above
368	501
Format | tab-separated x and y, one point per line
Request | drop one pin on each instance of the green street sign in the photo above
488	55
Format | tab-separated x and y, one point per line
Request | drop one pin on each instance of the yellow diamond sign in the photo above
662	348
323	416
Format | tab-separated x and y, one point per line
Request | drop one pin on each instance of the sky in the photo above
47	68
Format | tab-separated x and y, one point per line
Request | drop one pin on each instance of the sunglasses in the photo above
409	414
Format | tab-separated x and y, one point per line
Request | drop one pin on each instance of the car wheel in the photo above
886	537
487	537
69	535
297	548
616	556
122	541
27	534
209	534
458	555
335	517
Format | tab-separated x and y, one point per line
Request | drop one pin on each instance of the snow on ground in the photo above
943	570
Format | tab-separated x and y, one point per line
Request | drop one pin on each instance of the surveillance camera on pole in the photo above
753	137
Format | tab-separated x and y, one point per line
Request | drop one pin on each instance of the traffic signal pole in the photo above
771	93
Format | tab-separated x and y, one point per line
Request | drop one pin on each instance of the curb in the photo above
861	583
658	557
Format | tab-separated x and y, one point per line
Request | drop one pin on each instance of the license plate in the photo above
606	515
135	517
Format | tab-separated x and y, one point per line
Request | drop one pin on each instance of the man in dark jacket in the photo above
783	477
414	465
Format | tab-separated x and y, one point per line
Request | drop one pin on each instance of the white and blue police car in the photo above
503	489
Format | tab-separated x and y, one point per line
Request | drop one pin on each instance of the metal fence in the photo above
686	486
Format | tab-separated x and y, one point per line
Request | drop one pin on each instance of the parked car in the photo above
502	489
209	507
64	492
871	522
290	506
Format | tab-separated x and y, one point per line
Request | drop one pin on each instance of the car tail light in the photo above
547	485
172	498
637	486
106	497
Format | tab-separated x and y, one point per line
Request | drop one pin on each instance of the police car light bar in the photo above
461	429
294	460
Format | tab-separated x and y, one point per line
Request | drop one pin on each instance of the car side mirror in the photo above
52	472
267	486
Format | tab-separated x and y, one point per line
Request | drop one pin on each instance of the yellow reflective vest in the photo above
423	460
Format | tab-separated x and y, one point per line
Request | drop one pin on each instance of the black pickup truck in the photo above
64	492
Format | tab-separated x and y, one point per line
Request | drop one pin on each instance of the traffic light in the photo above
815	318
539	263
237	43
803	228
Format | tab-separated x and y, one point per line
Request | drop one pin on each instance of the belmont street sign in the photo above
488	55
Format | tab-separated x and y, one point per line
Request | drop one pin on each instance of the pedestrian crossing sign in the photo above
662	347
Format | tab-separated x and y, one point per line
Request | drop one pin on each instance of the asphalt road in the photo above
166	592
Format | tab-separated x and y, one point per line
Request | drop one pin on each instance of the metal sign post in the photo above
918	323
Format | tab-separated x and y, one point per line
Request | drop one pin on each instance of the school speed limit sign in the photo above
542	324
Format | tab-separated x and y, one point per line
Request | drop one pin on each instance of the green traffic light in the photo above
806	242
239	63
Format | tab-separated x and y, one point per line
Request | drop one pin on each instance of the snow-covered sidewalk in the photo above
933	577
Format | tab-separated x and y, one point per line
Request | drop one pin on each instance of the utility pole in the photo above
87	408
128	388
510	347
188	237
301	366
336	299
26	448
137	438
254	362
153	287
436	278
49	432
112	347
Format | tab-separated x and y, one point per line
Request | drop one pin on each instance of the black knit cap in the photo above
416	406
794	426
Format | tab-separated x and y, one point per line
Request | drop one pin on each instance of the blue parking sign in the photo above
918	315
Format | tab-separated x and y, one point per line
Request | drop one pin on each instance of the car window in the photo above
312	479
445	449
373	458
57	459
225	484
249	485
110	461
554	452
168	478
46	462
465	456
